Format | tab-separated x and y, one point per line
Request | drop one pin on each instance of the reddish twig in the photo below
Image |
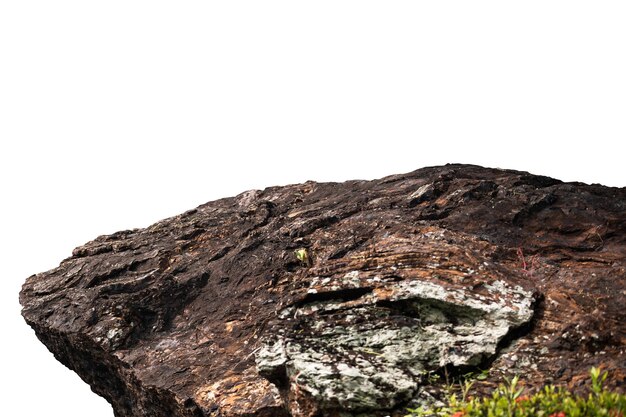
522	258
520	255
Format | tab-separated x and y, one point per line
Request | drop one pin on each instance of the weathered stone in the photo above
374	338
344	299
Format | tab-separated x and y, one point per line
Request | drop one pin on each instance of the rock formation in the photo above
344	299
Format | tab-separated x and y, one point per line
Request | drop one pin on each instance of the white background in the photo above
116	114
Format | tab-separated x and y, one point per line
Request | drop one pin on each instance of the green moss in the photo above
507	401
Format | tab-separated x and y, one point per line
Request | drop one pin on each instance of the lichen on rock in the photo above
369	350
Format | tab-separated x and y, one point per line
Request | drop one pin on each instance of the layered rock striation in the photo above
344	299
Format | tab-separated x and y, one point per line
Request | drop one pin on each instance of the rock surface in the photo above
344	299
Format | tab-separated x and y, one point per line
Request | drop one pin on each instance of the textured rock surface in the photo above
344	299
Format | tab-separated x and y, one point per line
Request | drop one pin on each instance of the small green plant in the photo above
508	401
432	377
303	256
479	375
597	379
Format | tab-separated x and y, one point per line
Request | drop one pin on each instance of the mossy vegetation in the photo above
509	400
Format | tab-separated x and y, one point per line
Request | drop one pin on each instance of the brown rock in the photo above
327	299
